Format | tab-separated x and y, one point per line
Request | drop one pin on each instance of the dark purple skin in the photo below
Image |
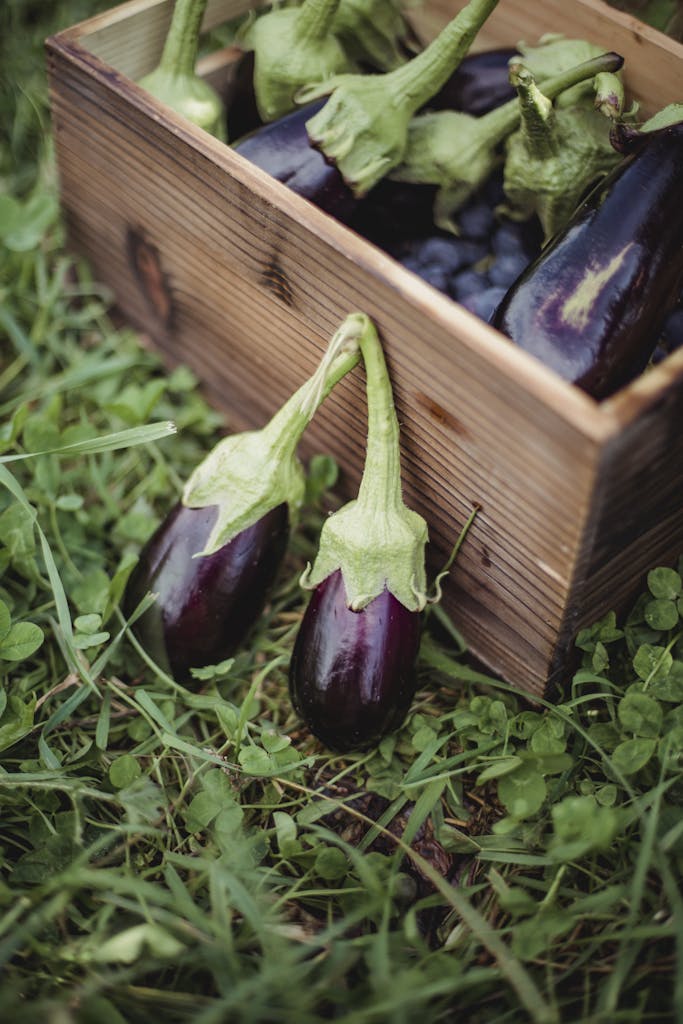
242	114
480	83
392	210
205	605
352	674
282	148
630	228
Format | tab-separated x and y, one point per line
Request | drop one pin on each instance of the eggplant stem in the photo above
315	18
179	55
537	117
420	78
376	541
380	486
609	94
436	596
247	475
284	430
343	344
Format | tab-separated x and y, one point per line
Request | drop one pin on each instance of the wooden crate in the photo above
228	271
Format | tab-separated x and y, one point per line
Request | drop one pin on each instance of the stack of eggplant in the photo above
517	181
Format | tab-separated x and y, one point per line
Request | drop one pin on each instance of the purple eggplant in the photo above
353	672
481	83
391	210
213	560
458	153
204	606
363	126
592	305
242	114
282	148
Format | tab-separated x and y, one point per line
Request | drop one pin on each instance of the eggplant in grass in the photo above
352	673
212	561
592	305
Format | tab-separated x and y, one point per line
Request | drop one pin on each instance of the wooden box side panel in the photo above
245	286
636	523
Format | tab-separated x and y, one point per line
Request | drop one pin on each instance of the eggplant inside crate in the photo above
230	272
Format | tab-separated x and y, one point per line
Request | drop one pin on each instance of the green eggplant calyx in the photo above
363	127
247	475
458	152
293	47
557	153
375	540
664	118
538	128
372	31
175	81
189	96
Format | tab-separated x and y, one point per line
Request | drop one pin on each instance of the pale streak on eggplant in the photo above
578	309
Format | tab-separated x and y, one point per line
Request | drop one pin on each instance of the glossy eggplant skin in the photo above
205	605
242	116
480	83
282	148
352	674
592	305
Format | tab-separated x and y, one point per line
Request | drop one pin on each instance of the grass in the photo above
197	854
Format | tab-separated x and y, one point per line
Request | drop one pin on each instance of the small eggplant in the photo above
282	148
480	84
353	672
592	305
175	81
212	561
352	675
205	606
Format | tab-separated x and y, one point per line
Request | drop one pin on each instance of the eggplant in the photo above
481	83
353	672
558	153
293	46
351	675
204	606
213	560
175	80
282	148
457	153
391	210
592	305
363	126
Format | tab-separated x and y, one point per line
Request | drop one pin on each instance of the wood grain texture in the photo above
229	272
